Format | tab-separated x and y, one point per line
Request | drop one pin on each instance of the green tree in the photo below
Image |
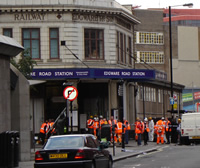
25	64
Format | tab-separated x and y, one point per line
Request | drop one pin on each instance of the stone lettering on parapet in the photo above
29	16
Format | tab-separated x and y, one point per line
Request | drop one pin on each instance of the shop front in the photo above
103	92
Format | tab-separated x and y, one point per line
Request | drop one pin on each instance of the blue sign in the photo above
97	73
171	100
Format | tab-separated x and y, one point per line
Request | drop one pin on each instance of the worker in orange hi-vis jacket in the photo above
127	127
136	135
119	131
146	131
90	123
139	129
96	126
113	128
160	129
43	131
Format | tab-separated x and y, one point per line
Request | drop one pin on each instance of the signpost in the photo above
70	93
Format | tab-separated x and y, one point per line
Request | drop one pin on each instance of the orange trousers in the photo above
120	137
160	137
115	138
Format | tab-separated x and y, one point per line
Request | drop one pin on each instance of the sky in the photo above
160	3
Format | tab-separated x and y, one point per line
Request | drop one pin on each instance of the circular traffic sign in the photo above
70	93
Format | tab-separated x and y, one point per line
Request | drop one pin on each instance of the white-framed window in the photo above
154	57
149	38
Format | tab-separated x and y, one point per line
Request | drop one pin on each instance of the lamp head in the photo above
189	5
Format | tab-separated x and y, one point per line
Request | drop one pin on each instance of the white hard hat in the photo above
162	118
145	119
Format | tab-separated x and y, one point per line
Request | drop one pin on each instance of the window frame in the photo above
8	29
130	51
90	39
57	38
151	57
156	38
31	39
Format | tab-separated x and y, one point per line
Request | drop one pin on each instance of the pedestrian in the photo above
43	131
90	124
164	123
139	131
146	131
136	135
96	126
113	128
179	132
160	126
126	129
174	135
119	131
151	129
168	130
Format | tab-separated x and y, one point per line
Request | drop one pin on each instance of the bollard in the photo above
1	150
10	149
16	149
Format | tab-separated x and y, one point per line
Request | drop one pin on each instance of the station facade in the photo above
88	44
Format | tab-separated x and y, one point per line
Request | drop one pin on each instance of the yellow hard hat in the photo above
179	120
150	118
91	117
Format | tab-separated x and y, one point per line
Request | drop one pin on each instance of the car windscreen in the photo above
64	142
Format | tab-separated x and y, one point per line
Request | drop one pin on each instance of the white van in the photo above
190	127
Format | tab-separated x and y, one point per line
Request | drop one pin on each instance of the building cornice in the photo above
70	8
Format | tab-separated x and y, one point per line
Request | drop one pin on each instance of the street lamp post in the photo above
170	48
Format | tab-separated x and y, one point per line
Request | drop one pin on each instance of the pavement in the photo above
131	150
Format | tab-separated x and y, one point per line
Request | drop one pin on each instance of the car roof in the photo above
72	135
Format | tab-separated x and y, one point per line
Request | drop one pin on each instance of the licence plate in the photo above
58	156
196	137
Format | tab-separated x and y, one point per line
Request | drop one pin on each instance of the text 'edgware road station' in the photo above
97	73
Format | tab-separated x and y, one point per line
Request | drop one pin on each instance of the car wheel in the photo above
110	164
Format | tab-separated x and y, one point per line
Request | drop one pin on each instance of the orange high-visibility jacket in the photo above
147	127
119	128
160	127
127	125
90	123
43	128
139	128
168	128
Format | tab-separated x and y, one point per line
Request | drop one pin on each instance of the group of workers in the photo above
46	130
163	129
116	128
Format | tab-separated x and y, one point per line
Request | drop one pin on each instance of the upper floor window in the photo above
130	54
154	57
94	44
54	43
31	41
149	38
121	47
7	32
